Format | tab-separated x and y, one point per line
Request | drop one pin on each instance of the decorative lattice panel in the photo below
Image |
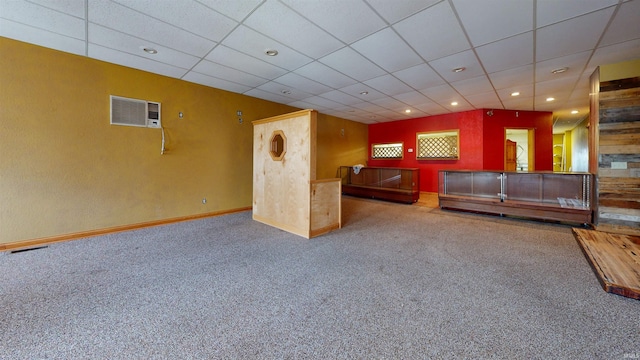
387	151
438	147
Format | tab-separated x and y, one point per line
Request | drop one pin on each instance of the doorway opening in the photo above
519	154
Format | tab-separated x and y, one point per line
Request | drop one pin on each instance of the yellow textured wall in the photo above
622	70
336	148
65	169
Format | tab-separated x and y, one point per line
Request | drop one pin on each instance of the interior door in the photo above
510	155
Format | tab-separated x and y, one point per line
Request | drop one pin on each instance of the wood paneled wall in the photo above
618	185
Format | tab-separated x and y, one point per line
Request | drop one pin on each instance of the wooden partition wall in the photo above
286	193
615	158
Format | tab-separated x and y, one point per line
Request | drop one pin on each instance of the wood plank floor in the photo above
615	259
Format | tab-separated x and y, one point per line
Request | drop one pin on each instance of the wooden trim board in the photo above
614	258
83	234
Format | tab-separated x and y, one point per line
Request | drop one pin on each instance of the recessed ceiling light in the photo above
515	93
286	92
149	50
271	52
460	69
408	111
454	103
550	99
364	93
574	111
559	70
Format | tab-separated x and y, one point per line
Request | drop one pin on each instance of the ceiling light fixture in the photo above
408	111
149	50
271	52
454	103
286	92
515	93
550	99
364	93
559	70
460	69
574	111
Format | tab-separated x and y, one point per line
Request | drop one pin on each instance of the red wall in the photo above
482	141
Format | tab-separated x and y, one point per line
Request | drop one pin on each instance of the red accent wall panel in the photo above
494	137
481	141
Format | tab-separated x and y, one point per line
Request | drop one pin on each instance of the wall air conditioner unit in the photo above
134	112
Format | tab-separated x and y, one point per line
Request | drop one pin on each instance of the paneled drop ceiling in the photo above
363	60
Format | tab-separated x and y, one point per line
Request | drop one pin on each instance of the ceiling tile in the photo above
571	36
347	61
296	81
419	77
43	18
123	19
412	97
625	26
472	86
612	54
574	64
391	103
188	15
285	91
222	72
466	59
325	75
512	77
300	104
341	97
487	100
234	59
519	48
484	24
389	85
266	95
321	102
134	61
387	50
389	115
442	93
541	104
313	41
463	105
525	90
32	35
237	10
426	40
518	103
432	21
253	43
211	81
368	107
551	11
337	17
363	92
430	107
394	11
115	40
556	88
70	7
